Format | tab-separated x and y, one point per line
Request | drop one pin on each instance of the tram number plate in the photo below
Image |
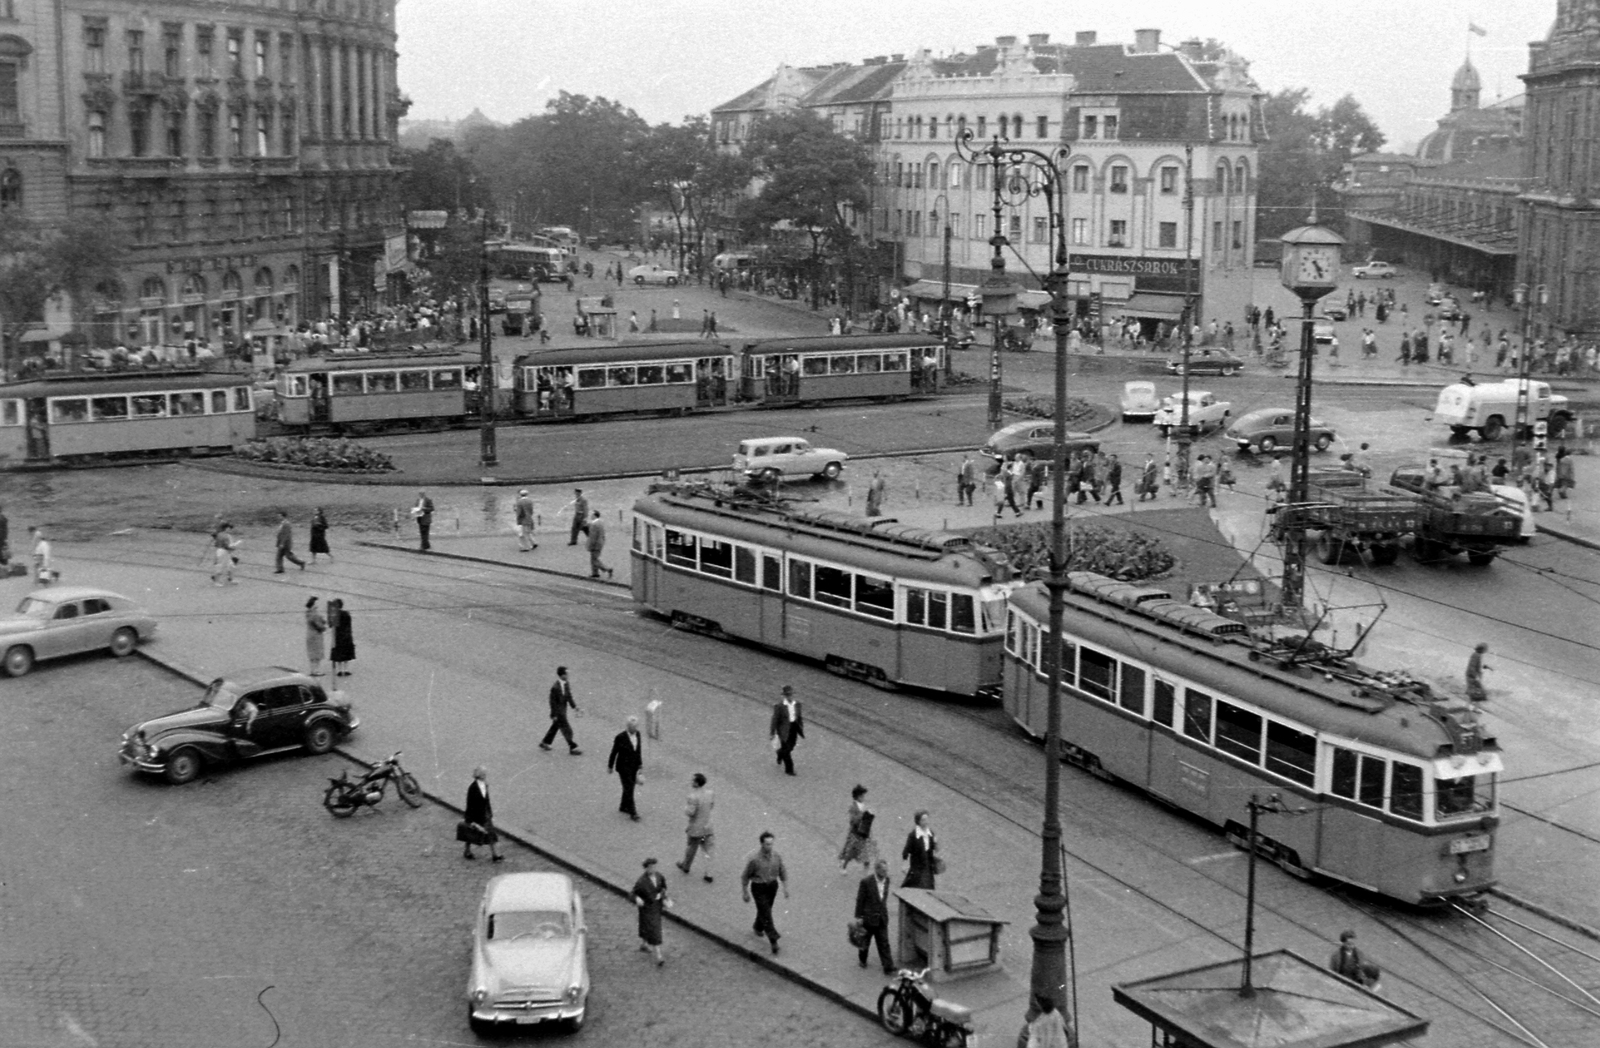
1463	845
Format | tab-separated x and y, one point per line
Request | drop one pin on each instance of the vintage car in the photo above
1267	429
1206	412
776	458
1139	401
1207	362
250	713
1334	308
66	620
1035	437
650	273
529	954
1373	271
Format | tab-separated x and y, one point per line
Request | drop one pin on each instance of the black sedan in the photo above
246	714
1207	362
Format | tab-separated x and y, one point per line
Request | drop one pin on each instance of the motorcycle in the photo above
345	796
907	1008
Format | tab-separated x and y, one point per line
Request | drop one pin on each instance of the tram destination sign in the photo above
1149	273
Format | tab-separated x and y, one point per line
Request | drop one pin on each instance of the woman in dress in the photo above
344	638
922	854
316	626
222	556
858	843
650	896
319	535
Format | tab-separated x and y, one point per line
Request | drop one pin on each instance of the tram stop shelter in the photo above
1293	1004
948	933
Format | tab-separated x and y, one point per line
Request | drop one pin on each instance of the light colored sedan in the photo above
650	272
530	961
1139	401
66	620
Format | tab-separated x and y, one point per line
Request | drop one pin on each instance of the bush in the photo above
1114	552
340	456
1045	407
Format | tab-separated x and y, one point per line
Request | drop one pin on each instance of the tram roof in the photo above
626	353
841	343
385	361
1231	666
90	384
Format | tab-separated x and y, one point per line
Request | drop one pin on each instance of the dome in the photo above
1466	78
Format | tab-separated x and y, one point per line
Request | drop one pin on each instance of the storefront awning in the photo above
1158	307
933	290
39	336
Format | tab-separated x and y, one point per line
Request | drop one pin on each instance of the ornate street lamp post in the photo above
1527	297
486	392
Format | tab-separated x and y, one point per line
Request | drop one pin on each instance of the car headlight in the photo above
480	994
572	993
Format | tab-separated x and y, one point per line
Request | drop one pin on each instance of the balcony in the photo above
148	166
272	164
144	83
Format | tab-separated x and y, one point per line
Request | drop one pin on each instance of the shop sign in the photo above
427	219
1150	274
220	262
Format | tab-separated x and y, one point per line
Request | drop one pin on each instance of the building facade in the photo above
242	152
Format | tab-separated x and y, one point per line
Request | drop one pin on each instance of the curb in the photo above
1548	914
475	559
567	861
1563	535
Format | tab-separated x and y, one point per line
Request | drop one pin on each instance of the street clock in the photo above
1311	257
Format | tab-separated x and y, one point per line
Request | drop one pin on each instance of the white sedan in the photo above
1374	271
530	960
66	620
652	273
1205	413
1139	400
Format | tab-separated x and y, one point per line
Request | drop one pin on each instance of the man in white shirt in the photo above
787	727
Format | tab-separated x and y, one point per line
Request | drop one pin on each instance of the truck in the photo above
1348	512
1489	408
1478	523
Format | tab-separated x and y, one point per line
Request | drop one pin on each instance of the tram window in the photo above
938	605
591	378
799	579
381	382
875	597
680	549
108	408
744	565
1097	673
189	403
413	381
1291	753
1013	628
814	366
652	540
348	383
1405	791
1030	645
10	412
1197	715
842	365
75	409
241	398
833	586
447	378
869	363
219	401
1165	696
963	613
1358	777
716	558
296	385
771	572
150	405
1069	663
639	527
621	376
1239	732
1468	795
917	606
994	614
1131	694
679	373
894	362
652	374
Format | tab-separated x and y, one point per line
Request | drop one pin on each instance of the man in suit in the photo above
580	516
627	757
525	522
560	700
788	727
286	544
423	512
872	910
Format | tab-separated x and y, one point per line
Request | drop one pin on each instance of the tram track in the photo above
950	748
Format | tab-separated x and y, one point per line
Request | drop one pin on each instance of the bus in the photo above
525	261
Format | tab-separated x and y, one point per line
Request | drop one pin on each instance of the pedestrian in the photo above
650	896
966	481
1000	489
875	492
788	727
1546	482
627	760
44	565
223	557
596	543
525	519
922	854
1205	480
319	535
633	322
1348	962
763	876
1114	481
872	910
1149	477
1037	471
1566	477
858	843
654	324
316	626
285	544
699	834
344	638
1475	671
711	326
1048	1029
560	702
422	512
479	821
580	516
5	538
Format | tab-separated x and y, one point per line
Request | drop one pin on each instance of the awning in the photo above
39	336
1159	307
1460	766
1027	298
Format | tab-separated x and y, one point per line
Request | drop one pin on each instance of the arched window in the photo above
933	174
194	286
10	189
291	278
1016	127
1222	177
231	284
263	281
153	287
1241	178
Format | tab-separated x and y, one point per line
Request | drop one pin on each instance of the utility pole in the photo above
486	379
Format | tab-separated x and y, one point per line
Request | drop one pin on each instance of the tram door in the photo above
38	429
319	397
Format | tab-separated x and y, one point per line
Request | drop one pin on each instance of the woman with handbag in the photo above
858	843
344	639
650	896
478	827
922	854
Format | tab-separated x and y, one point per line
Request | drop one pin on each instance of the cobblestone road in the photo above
134	914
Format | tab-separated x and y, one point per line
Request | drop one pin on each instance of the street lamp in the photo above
1526	297
945	325
486	437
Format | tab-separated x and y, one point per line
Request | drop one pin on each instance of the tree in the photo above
684	172
85	260
1306	152
26	282
79	260
456	263
439	178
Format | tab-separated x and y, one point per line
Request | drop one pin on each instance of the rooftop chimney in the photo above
898	56
1192	49
1005	41
1086	38
1146	41
1038	39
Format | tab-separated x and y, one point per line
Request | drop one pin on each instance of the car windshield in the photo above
34	608
220	694
541	924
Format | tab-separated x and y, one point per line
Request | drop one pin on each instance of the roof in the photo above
625	353
258	675
57	594
383	361
1466	78
89	384
529	891
841	343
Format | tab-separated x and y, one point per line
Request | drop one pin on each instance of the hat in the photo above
650	862
788	690
524	491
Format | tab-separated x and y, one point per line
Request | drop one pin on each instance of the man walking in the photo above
627	757
525	522
560	701
1149	480
597	543
763	876
788	727
285	544
966	481
423	512
580	515
1114	482
701	800
1475	671
872	910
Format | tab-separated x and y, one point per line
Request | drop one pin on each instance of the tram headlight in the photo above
1461	876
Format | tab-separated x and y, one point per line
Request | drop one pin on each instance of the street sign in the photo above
427	219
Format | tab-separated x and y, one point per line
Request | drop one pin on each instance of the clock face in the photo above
1315	265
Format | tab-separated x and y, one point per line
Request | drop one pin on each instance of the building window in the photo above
1080	178
286	59
261	54
263	134
141	231
288	213
933	174
236	54
1241	179
1041	230
1238	235
172	50
1080	231
135	51
208	132
1014	231
174	132
983	176
235	134
1091	126
1216	237
897	217
983	127
980	227
1119	233
10	94
1169	180
1119	178
286	122
1110	126
139	131
97	133
955	176
1016	127
1167	235
1043	130
933	127
10	189
208	215
94	44
205	50
180	219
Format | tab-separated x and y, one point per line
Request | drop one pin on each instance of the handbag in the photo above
864	825
938	864
471	833
776	745
856	932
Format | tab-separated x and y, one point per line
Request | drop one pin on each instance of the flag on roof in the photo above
1473	27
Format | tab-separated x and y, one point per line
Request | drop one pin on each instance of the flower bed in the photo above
1044	407
318	453
1115	552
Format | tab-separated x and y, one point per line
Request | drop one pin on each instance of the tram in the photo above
89	418
360	391
667	377
871	599
787	371
1397	783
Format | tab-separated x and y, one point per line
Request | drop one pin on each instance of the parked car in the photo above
778	458
651	273
1374	271
529	954
1321	333
1139	400
1207	362
1206	413
1267	429
1334	308
250	713
1037	437
1449	309
67	620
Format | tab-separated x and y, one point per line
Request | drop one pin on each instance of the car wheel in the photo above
639	281
1229	372
124	641
1323	442
1494	429
1268	445
182	766
832	470
769	475
19	660
575	1023
672	281
319	738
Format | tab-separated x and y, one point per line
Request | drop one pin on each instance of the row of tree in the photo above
80	261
